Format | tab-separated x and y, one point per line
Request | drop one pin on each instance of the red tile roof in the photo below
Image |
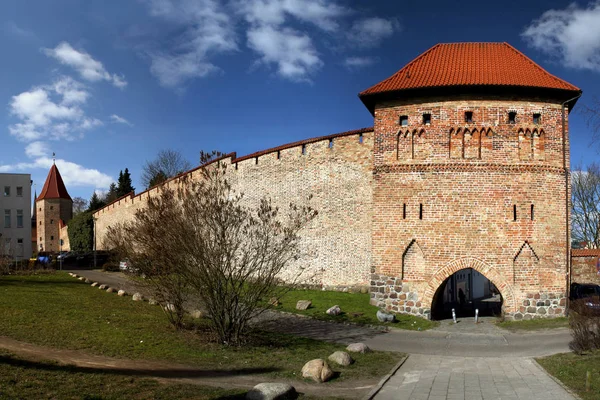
470	64
585	252
54	188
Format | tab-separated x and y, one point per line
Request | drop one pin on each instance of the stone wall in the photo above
583	266
336	170
49	214
486	194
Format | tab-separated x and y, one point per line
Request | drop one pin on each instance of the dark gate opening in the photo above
464	291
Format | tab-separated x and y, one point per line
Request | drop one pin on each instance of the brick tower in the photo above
54	208
471	172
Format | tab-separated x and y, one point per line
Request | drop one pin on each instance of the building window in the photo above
20	191
303	149
514	212
360	138
51	221
512	117
537	119
426	119
51	237
532	212
420	211
40	238
236	167
19	247
278	154
40	223
256	160
404	120
331	143
7	218
52	207
468	116
6	190
19	218
40	209
404	211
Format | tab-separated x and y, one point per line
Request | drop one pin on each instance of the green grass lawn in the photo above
571	369
24	379
535	324
61	312
355	308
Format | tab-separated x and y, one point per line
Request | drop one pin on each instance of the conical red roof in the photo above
470	64
54	188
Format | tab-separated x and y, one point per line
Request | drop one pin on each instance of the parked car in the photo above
586	294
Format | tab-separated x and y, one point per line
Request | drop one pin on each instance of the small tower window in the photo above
404	120
278	154
256	160
420	211
404	211
532	212
427	119
51	237
537	119
468	116
236	166
512	117
51	221
514	212
52	207
360	138
331	143
303	149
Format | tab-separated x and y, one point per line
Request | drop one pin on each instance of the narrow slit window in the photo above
537	119
427	119
532	212
420	211
360	138
303	149
331	143
255	160
468	116
404	120
404	211
278	154
512	117
236	167
514	212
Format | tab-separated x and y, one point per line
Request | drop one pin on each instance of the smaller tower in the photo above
53	206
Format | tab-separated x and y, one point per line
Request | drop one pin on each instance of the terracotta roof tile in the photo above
585	252
54	187
470	64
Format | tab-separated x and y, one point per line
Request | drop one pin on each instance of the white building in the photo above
15	213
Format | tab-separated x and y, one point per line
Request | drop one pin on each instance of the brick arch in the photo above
491	273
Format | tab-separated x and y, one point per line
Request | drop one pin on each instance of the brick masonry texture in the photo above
401	208
486	194
336	171
50	212
583	266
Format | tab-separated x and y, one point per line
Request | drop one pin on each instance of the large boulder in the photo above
87	281
358	348
94	284
137	297
121	293
272	391
335	310
110	290
385	317
318	370
103	287
341	358
303	304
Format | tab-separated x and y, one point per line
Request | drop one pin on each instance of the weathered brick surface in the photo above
445	197
583	266
338	174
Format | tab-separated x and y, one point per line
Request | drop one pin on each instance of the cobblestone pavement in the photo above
430	377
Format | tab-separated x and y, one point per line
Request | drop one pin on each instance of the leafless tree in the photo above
79	205
205	242
585	214
591	113
167	164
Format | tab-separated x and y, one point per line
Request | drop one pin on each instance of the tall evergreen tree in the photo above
95	203
124	184
112	194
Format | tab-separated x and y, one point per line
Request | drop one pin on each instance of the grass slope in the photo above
535	324
571	370
355	308
62	312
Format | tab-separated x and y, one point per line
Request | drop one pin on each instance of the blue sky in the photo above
106	84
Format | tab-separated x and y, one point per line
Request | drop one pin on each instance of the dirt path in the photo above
178	373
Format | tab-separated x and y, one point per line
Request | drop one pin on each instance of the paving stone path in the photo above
430	377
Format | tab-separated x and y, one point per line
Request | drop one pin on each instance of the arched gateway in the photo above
491	273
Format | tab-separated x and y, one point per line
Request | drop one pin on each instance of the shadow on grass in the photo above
151	373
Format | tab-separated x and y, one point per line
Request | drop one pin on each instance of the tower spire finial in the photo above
54	158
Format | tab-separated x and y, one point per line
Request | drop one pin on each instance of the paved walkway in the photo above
428	377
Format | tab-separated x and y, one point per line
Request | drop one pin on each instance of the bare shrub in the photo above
584	323
204	243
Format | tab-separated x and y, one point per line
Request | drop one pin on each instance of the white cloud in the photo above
37	149
358	62
120	120
571	34
292	51
207	30
72	174
369	32
51	112
90	69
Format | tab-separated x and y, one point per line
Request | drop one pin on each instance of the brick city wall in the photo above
336	170
486	194
584	266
